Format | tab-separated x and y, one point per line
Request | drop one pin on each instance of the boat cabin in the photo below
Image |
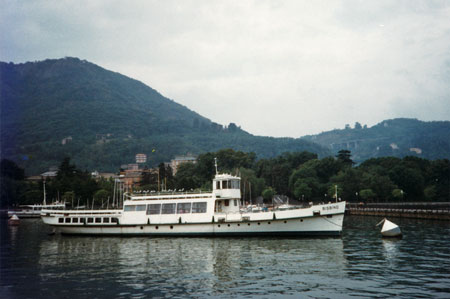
227	193
187	206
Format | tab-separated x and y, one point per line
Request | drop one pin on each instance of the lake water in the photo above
359	264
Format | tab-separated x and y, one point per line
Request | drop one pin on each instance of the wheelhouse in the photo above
227	191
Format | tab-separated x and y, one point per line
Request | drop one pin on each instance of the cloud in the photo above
277	68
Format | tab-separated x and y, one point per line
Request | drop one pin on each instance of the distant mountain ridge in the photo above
101	119
395	137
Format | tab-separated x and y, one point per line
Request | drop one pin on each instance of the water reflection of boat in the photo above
206	261
215	213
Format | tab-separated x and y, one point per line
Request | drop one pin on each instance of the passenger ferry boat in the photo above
215	213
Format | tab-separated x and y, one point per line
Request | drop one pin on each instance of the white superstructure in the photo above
215	213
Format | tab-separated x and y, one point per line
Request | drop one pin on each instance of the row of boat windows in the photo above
169	208
87	220
228	184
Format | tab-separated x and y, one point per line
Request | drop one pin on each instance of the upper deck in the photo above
171	195
225	186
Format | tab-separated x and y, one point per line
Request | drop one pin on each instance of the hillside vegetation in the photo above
396	137
72	108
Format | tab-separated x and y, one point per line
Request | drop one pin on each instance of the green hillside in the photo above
396	137
101	119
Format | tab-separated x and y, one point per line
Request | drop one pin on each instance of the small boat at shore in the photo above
14	220
219	212
34	210
389	229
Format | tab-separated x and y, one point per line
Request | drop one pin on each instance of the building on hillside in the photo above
48	175
105	175
132	167
132	178
66	140
141	158
180	160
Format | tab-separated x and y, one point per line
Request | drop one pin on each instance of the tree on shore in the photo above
345	157
11	183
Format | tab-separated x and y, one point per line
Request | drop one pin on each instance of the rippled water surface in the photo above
360	264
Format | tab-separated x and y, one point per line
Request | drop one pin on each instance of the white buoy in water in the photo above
390	229
14	220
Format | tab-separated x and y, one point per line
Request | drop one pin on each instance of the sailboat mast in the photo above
45	200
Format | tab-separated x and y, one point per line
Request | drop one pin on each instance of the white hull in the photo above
323	220
315	226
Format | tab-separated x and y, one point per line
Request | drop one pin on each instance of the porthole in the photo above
239	224
142	227
301	220
171	227
248	224
268	222
259	223
285	221
218	225
228	225
156	227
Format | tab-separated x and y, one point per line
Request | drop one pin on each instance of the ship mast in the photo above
336	192
215	164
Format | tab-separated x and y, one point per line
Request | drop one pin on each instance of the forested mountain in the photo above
396	137
101	119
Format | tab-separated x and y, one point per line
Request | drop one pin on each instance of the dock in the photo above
419	210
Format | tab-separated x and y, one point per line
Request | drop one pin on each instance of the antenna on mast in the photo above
215	164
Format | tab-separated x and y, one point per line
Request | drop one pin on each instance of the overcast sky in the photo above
275	68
